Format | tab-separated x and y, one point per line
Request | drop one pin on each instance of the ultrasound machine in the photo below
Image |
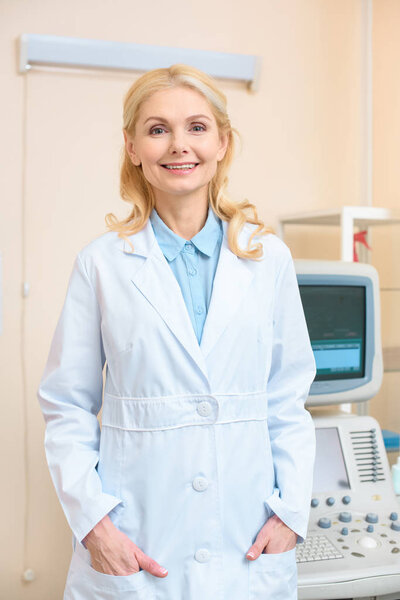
352	548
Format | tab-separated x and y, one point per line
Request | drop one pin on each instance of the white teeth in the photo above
188	166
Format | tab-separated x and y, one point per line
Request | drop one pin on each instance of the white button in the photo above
202	555
200	484
204	409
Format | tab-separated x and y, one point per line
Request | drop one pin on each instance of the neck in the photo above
184	215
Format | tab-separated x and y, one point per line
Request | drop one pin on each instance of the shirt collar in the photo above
171	244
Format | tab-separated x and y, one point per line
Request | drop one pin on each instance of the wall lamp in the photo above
53	50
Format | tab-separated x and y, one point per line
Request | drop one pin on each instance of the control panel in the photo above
352	547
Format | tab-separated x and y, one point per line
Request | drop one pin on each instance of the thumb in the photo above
256	549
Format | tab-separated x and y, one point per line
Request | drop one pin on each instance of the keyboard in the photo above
316	547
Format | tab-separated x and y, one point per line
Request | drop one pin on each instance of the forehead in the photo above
175	102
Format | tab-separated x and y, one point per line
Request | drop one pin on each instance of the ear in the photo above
130	148
223	141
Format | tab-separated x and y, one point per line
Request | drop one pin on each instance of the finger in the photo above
150	565
256	549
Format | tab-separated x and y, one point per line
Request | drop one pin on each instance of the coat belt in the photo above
171	412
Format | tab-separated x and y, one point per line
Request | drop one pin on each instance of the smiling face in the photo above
177	142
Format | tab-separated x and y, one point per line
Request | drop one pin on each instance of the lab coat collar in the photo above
172	244
156	281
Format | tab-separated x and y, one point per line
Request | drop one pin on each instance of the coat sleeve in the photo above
70	396
291	429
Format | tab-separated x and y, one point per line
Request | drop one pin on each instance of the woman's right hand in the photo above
113	553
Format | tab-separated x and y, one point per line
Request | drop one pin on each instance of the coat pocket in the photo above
273	576
84	582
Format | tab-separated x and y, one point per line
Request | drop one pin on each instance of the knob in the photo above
370	528
330	501
314	502
393	516
395	525
346	499
345	517
324	522
344	531
371	518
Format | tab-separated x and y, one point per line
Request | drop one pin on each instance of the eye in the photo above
199	127
156	129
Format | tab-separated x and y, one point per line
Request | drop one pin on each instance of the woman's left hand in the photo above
273	537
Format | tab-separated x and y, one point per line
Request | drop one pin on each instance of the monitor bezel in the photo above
337	386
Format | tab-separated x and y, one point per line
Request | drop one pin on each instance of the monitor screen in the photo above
336	316
330	473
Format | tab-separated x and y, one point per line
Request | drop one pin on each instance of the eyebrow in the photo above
191	118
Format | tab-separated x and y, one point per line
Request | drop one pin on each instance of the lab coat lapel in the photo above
231	282
156	281
158	284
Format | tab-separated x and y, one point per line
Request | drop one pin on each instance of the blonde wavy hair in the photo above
135	189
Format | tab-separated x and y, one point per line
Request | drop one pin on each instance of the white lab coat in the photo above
199	444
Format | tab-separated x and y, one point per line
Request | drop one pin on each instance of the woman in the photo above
198	485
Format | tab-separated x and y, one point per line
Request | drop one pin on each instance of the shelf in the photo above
347	217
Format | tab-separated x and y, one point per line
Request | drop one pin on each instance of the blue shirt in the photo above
193	263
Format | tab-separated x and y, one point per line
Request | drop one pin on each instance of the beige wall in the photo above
386	192
61	134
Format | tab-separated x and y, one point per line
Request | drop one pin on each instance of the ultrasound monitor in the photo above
342	311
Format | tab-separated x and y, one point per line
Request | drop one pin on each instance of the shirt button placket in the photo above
191	259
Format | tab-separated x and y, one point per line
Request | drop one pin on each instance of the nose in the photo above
178	144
